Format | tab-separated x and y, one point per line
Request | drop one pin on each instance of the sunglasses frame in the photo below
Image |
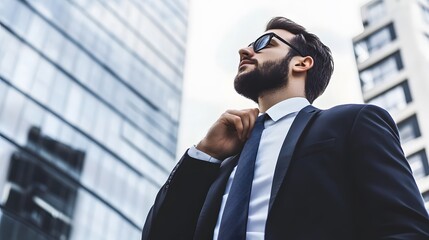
271	35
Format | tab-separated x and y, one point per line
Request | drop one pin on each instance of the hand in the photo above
227	135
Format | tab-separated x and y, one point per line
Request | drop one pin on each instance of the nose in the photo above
246	52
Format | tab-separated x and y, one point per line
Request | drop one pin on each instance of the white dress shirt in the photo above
276	128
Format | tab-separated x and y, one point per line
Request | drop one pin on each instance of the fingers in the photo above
227	135
242	121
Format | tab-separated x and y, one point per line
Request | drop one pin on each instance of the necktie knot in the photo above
259	122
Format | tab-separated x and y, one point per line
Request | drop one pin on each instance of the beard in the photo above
268	76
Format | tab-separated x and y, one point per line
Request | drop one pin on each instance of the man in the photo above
297	172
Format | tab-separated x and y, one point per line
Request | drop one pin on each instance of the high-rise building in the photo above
90	94
392	56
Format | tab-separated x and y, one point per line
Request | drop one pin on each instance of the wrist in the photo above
201	146
193	152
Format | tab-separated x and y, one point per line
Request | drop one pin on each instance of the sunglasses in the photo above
263	41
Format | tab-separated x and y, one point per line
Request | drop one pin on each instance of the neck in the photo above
270	98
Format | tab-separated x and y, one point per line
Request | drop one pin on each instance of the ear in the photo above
302	64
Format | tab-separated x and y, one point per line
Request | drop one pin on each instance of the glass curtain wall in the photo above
90	94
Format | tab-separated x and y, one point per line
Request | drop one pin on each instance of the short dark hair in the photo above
309	45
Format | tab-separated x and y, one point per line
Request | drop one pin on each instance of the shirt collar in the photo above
286	107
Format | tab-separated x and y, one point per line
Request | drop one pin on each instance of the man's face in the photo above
267	76
263	71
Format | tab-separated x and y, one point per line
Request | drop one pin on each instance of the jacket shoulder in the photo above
355	109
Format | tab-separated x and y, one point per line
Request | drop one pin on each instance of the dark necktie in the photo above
234	219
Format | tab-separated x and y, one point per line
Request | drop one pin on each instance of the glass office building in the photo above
90	94
392	61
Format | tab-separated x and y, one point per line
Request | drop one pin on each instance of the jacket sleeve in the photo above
392	206
177	206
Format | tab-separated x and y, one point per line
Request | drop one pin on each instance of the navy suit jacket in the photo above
341	174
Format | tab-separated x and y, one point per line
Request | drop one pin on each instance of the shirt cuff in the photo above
193	152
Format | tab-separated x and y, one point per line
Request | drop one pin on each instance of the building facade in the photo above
393	64
90	94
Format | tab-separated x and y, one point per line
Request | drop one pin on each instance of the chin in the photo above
245	69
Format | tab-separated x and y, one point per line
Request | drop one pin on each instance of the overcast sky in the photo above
217	29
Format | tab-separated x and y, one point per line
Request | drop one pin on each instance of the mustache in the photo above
248	61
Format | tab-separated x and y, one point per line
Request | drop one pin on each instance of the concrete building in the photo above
90	94
392	56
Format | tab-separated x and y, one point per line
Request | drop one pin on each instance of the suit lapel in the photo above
210	210
288	147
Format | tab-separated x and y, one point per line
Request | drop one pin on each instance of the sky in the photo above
218	29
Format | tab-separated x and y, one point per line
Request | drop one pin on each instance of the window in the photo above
426	36
425	12
69	57
426	196
25	68
3	91
82	67
53	44
144	145
374	12
43	81
43	199
37	32
373	42
426	199
381	71
88	113
393	99
419	164
74	103
59	93
10	115
409	129
22	18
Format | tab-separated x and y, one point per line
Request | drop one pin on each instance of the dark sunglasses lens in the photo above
261	42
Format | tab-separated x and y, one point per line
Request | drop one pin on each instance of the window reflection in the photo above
31	115
68	60
51	125
72	69
37	194
10	228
